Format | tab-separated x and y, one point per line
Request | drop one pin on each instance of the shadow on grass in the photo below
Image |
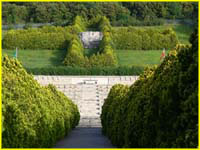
90	51
58	57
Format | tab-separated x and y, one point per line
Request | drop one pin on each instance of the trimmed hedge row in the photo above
133	38
51	37
104	25
161	108
79	24
32	115
47	37
109	58
75	53
67	70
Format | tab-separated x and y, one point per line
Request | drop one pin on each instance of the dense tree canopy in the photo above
120	13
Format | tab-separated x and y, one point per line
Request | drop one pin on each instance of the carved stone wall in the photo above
91	39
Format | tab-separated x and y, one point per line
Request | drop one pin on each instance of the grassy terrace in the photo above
48	58
38	58
138	57
52	58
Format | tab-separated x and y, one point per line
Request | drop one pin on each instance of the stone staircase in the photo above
87	92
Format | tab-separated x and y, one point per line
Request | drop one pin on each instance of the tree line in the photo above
119	13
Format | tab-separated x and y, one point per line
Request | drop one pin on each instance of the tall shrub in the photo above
33	116
161	108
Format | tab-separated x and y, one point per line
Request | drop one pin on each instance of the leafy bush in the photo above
113	119
33	116
143	39
161	108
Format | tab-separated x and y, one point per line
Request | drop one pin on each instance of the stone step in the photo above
87	92
89	122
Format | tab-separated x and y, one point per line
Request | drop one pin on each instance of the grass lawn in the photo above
183	32
38	58
48	58
138	57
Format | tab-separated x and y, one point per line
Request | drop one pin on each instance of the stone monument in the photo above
91	39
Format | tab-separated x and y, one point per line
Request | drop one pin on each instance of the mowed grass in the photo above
183	32
138	57
53	58
38	58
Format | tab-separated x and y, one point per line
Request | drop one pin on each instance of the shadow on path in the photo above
85	138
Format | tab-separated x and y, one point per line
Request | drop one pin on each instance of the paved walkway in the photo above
85	138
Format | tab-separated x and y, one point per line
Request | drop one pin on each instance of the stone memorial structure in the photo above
88	92
91	39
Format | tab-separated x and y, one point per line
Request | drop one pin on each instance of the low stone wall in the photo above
88	92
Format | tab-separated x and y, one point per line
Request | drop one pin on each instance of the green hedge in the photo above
32	115
106	45
46	37
93	23
75	52
107	56
51	37
113	118
133	38
67	70
41	38
104	24
160	110
79	24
